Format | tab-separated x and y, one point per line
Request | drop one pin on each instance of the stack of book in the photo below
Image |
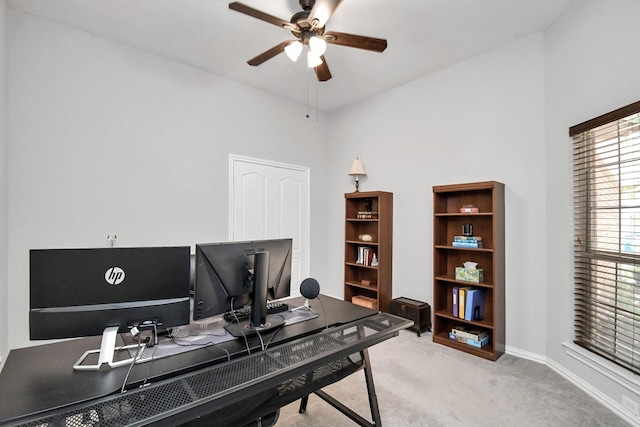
367	215
467	242
469	209
474	338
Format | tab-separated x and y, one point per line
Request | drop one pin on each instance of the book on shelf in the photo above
366	256
367	215
475	343
455	301
462	299
467	238
467	333
466	244
469	209
474	304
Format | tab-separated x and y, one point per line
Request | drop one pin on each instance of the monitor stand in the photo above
245	328
107	352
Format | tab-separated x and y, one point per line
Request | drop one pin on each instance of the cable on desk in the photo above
233	311
153	354
228	354
324	312
273	335
133	362
261	341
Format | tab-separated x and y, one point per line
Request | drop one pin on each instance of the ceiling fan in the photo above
308	27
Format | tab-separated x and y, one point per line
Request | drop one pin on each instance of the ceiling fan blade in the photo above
352	40
322	11
322	71
242	8
268	54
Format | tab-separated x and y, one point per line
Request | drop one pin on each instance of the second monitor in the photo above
231	275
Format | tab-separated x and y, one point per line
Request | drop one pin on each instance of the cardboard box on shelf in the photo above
363	301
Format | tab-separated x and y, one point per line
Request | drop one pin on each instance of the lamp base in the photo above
357	186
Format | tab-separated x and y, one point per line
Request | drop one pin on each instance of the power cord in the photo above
133	360
324	312
233	311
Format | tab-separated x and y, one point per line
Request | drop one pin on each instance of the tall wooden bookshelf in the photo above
488	223
368	232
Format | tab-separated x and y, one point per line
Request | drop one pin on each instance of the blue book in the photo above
455	301
468	244
474	305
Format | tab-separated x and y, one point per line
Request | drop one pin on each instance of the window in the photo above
606	187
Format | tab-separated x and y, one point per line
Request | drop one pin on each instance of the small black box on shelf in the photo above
418	311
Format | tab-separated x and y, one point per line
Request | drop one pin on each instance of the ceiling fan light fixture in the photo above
313	59
317	45
293	50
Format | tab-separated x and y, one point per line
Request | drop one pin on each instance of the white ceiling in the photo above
423	36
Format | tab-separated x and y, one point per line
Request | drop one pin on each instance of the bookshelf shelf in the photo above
488	227
377	278
361	243
452	279
355	264
463	249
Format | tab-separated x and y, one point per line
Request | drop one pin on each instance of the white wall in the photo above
3	181
479	120
592	67
108	139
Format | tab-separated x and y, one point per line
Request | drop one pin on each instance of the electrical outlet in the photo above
631	406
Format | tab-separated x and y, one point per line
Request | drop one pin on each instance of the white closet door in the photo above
270	200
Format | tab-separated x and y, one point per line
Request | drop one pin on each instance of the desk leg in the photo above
303	404
371	391
304	400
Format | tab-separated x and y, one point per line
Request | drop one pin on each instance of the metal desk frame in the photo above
258	383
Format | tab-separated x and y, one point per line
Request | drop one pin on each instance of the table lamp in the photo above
357	170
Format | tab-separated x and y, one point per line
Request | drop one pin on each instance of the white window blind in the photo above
606	177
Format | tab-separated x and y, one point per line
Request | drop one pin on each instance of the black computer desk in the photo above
214	385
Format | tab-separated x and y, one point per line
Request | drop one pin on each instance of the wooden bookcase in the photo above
368	213
488	223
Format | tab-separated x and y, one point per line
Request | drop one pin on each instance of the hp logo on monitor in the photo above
114	275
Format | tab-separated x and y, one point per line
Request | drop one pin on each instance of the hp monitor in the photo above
86	292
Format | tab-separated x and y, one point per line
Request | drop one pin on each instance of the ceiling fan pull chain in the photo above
308	92
316	83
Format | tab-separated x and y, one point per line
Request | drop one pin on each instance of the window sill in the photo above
610	370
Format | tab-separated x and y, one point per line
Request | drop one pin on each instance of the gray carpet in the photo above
420	383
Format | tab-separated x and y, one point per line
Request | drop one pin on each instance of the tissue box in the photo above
469	274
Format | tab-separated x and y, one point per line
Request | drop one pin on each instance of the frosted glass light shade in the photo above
317	45
293	50
313	60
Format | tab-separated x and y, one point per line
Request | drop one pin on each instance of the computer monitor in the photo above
87	292
231	275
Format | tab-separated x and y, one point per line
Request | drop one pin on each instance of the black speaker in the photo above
310	288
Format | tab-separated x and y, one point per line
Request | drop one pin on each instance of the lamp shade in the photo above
317	45
357	168
313	60
293	50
